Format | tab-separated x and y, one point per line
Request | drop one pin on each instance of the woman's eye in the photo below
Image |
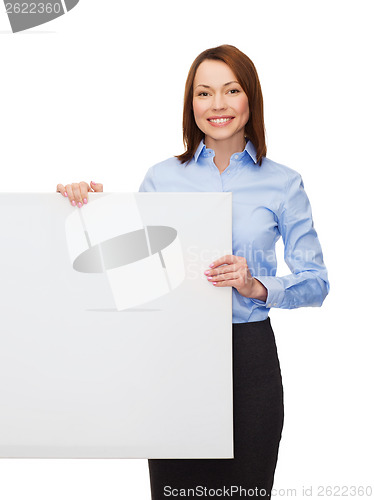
206	93
234	90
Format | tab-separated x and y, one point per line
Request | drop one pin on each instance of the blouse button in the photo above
236	157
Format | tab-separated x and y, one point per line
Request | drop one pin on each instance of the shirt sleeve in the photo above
308	284
149	182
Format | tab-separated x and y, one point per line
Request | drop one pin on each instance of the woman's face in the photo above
220	104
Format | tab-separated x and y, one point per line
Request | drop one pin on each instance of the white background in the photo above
97	95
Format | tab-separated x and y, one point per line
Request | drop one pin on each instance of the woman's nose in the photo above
219	102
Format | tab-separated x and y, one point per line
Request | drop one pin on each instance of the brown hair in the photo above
246	73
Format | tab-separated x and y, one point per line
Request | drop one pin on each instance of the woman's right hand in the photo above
77	192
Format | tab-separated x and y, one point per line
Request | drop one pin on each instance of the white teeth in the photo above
220	120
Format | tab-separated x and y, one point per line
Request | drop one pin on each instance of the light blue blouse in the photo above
268	201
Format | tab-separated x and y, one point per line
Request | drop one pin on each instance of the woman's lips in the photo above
220	121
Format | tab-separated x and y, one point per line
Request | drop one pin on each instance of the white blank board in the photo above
85	372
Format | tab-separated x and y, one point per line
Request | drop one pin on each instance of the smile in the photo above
220	121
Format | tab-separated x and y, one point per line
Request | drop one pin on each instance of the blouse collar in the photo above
204	151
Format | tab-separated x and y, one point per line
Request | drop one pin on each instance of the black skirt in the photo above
258	423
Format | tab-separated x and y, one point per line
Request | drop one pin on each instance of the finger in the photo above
97	187
69	190
84	191
228	268
61	189
220	284
223	277
77	194
226	259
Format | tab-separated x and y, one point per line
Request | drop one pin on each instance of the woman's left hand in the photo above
232	270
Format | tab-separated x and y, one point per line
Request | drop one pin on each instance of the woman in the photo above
224	135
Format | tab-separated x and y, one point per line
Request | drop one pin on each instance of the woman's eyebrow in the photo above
208	87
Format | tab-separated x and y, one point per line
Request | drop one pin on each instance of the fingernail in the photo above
65	194
84	200
80	204
210	278
94	183
211	265
73	203
207	272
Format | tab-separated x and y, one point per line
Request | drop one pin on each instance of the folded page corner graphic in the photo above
70	4
26	15
141	262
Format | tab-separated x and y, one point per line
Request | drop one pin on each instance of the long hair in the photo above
246	73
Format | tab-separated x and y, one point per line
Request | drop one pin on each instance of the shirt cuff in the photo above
275	290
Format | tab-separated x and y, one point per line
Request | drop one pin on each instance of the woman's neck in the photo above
224	149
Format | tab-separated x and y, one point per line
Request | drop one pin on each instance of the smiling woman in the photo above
221	77
221	108
224	137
